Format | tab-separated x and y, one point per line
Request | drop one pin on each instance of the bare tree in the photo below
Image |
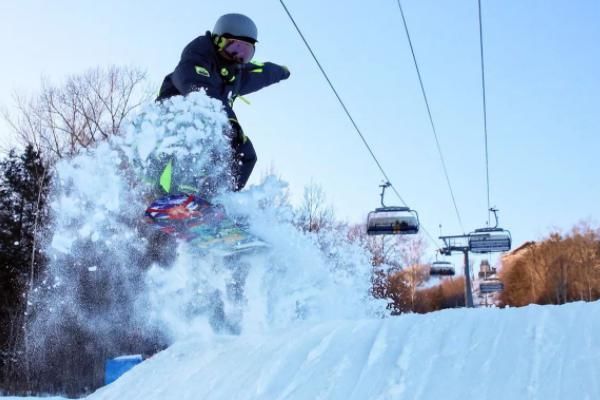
398	268
559	269
403	288
416	272
397	251
86	109
314	214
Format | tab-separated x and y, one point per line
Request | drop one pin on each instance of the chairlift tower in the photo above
483	240
460	243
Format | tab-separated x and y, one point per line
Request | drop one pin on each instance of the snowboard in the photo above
205	226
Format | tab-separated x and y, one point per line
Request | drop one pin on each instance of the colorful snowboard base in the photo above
206	227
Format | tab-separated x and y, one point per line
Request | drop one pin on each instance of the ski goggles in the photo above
239	50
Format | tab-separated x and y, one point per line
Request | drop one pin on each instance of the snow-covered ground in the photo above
536	352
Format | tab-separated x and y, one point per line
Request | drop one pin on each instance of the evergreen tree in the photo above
24	181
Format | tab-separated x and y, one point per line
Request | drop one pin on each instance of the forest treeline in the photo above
559	269
63	120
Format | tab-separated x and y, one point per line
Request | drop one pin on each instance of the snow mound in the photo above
536	352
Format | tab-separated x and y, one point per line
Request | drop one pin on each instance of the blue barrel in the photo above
116	367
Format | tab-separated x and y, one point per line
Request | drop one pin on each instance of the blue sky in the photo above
543	85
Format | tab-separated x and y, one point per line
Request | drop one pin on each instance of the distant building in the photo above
485	270
487	286
517	253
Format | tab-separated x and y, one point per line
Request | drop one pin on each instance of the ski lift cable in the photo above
433	240
388	184
356	128
433	129
485	131
340	100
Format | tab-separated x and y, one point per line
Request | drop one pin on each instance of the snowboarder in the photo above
220	62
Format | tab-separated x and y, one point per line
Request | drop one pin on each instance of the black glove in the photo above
286	72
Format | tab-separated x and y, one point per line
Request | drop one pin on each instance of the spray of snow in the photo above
108	273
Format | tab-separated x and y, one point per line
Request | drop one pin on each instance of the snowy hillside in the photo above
528	353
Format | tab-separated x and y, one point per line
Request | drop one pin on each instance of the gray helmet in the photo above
237	25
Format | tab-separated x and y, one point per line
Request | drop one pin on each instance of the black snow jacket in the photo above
201	67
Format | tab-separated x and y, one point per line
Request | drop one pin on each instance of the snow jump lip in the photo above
546	352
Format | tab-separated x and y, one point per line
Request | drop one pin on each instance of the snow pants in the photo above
244	159
244	156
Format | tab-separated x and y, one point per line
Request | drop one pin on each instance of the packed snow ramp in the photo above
536	352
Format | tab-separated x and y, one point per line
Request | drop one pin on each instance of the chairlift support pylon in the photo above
392	220
460	243
490	239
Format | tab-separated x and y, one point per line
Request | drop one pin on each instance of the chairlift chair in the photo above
442	268
491	286
392	220
488	240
